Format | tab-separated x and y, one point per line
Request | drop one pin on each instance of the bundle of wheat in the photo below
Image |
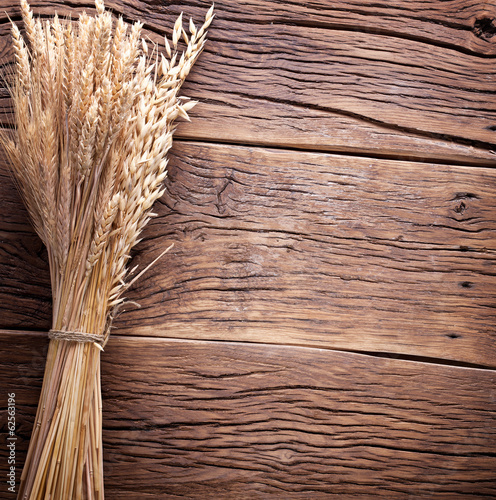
93	121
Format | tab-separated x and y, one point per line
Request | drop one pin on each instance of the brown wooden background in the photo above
324	326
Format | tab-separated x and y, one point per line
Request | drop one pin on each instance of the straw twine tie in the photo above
76	337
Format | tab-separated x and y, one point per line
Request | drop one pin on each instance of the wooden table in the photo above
324	326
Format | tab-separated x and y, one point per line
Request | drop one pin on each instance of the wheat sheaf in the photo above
94	107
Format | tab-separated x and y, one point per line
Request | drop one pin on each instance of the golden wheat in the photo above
93	112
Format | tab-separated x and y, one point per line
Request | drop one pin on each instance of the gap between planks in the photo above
383	355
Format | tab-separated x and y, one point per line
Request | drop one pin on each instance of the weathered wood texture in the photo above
407	78
302	248
388	247
222	420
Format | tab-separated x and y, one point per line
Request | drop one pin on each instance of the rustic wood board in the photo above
247	120
301	248
412	86
224	420
463	25
412	79
388	248
317	249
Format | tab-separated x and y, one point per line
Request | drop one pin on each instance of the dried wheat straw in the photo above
93	112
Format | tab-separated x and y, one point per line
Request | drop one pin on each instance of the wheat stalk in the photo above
94	110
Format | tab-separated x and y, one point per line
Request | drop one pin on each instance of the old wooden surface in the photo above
409	78
226	419
334	191
349	254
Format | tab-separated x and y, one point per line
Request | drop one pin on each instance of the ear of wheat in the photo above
94	109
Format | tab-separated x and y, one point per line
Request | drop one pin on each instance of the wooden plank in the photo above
217	420
411	79
300	248
323	250
24	271
410	85
464	25
260	121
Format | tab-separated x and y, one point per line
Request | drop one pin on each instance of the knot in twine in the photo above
77	337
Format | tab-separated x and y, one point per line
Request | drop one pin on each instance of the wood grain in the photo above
248	120
300	248
232	420
313	249
413	86
464	25
224	383
413	79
